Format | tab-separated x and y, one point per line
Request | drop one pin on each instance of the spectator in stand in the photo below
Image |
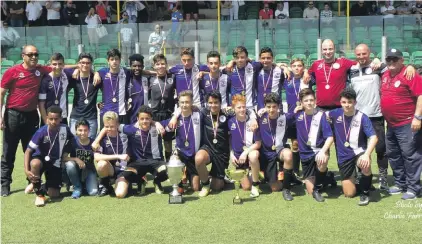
126	34
101	10
326	14
70	20
225	10
281	13
359	9
271	4
92	20
132	7
4	11
266	13
8	37
176	27
110	11
311	12
53	13
143	15
417	10
374	10
33	13
190	8
404	9
238	10
388	10
17	13
156	40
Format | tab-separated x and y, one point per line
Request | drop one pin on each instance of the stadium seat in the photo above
228	58
301	56
100	62
312	58
70	61
351	56
41	62
417	55
281	58
7	63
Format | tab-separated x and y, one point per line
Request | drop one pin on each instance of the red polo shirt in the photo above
266	14
336	80
23	86
398	97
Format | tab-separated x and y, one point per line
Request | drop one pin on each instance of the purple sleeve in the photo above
326	128
174	69
129	130
103	72
257	66
204	67
290	118
36	139
165	123
257	135
367	126
68	72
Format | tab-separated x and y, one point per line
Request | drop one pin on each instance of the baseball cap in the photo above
394	53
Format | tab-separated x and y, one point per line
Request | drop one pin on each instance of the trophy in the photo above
236	175
175	174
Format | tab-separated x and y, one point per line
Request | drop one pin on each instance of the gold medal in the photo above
186	144
298	103
242	93
273	147
347	144
130	99
308	143
265	95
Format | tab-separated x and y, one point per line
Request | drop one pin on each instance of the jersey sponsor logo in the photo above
222	83
154	133
21	75
46	139
195	69
249	70
320	66
264	121
339	119
277	75
62	136
37	73
355	123
233	126
195	121
280	123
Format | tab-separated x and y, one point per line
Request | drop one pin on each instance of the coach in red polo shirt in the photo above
20	119
330	74
401	105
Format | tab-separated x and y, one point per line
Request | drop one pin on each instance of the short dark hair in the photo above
114	53
214	94
81	122
55	110
348	93
85	55
266	50
213	54
145	109
159	57
57	57
306	92
136	57
187	51
272	98
239	49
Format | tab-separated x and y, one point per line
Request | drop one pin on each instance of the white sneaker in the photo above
29	189
204	191
255	191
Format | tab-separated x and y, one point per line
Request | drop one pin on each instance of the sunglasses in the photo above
31	55
395	59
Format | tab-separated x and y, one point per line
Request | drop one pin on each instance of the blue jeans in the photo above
74	174
404	151
16	23
93	126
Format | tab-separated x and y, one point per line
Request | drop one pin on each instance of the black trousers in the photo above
379	127
19	127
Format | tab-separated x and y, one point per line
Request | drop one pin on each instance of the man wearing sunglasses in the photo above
21	118
401	105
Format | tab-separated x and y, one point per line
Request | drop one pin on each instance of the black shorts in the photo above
160	116
309	167
348	168
53	174
270	167
189	163
219	160
142	166
291	132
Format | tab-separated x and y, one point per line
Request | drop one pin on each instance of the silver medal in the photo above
163	101
114	100
47	158
56	101
327	86
214	141
86	101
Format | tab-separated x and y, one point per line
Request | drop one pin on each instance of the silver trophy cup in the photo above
175	174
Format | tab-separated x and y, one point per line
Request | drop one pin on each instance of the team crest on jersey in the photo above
300	118
37	73
21	75
277	75
180	122
153	133
108	143
222	118
233	127
264	121
207	83
280	123
145	82
62	136
384	80
355	123
46	139
222	83
155	82
170	80
50	84
138	133
130	85
339	119
196	121
249	70
108	75
195	69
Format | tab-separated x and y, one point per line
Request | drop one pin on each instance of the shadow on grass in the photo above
333	192
16	191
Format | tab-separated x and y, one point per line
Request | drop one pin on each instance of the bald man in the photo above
367	83
330	74
21	119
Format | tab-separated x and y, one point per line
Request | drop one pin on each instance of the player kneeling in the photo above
245	144
110	157
314	138
352	130
44	154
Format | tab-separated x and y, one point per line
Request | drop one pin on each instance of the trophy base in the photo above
237	201
175	199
